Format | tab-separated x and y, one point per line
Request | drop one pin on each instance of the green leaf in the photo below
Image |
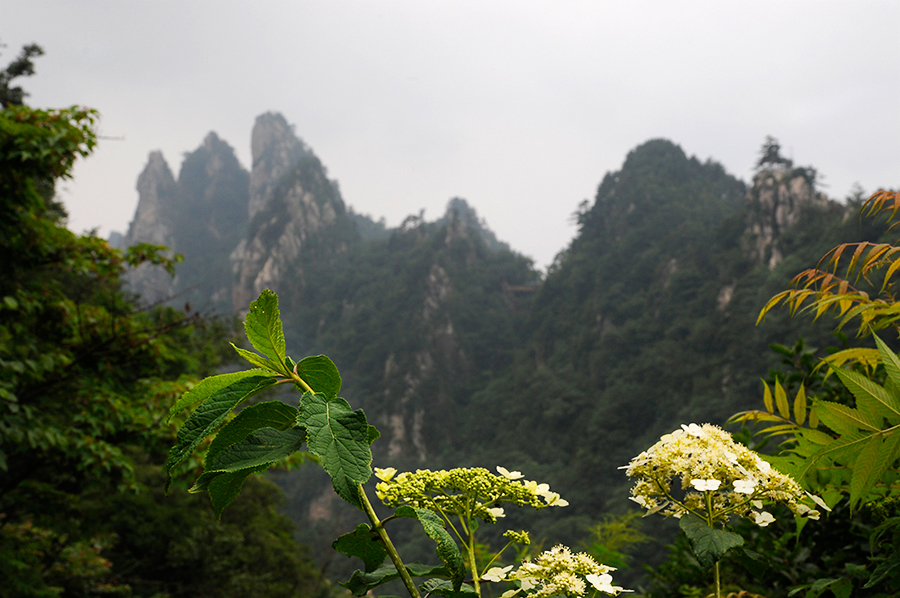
270	414
259	448
220	396
447	549
843	419
373	434
259	360
443	587
709	544
224	487
871	399
209	386
363	543
339	436
321	374
263	327
360	583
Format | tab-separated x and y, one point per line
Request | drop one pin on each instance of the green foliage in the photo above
22	66
709	544
86	379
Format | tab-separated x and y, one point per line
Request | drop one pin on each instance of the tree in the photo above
22	66
86	378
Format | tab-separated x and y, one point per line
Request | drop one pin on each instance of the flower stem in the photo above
389	546
475	576
718	583
710	520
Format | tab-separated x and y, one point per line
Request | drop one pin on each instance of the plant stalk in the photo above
392	552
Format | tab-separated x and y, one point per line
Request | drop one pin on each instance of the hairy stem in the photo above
392	552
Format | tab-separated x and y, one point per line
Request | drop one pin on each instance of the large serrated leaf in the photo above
263	327
259	448
360	583
865	469
270	414
209	386
321	374
709	544
224	487
339	436
364	544
220	396
260	361
843	419
447	550
871	398
443	587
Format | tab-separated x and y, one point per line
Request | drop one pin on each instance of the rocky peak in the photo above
276	150
156	204
776	200
463	222
292	202
154	222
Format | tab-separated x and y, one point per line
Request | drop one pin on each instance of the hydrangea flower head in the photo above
711	472
560	572
466	491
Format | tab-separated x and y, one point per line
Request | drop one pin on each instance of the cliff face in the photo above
154	222
213	198
775	203
202	216
292	204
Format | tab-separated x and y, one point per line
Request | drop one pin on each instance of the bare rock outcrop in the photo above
154	222
776	201
292	202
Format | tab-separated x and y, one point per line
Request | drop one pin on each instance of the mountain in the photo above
203	216
462	353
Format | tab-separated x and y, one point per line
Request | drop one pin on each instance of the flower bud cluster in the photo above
559	572
716	474
465	491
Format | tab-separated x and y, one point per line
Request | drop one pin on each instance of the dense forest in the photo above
456	347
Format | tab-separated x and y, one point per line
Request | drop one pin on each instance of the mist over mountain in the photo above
460	351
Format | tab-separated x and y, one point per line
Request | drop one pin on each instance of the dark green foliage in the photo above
22	66
86	379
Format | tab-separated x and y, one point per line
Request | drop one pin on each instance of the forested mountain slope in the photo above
463	354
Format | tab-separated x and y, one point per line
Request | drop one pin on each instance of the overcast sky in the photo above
520	106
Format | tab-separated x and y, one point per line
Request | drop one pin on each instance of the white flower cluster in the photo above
556	572
716	474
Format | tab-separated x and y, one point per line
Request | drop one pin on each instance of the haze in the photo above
520	107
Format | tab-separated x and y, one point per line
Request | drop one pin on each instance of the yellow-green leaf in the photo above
781	400
767	398
800	406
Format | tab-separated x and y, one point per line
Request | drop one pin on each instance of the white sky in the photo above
518	106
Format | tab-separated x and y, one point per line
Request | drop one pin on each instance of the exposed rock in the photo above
276	150
776	200
154	223
291	202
